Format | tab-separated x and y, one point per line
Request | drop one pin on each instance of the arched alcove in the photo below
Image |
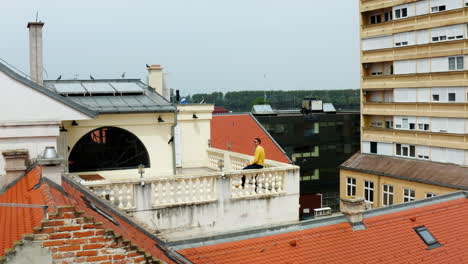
108	148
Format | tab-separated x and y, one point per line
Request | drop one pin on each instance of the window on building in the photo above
108	148
387	194
405	150
405	123
401	13
451	97
375	19
388	16
426	127
412	126
369	191
438	8
388	124
429	195
412	151
350	186
427	237
435	97
455	63
409	195
373	147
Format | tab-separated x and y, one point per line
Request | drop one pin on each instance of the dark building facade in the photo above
317	142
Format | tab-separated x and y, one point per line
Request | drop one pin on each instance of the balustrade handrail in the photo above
248	157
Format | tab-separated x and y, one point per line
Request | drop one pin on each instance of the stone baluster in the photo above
179	199
164	192
194	189
188	186
171	192
156	195
130	196
120	195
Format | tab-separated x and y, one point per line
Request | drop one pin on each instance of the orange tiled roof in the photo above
389	238
16	221
238	132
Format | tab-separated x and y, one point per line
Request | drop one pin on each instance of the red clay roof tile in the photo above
388	238
238	131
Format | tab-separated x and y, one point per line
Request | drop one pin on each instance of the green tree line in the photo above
242	101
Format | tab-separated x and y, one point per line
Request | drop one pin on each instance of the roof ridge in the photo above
40	88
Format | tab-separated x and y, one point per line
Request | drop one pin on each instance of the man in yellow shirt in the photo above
257	163
259	157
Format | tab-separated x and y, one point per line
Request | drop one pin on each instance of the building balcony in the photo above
446	18
420	80
438	49
371	5
425	138
210	199
454	110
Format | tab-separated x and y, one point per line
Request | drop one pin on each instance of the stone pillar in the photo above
16	163
35	51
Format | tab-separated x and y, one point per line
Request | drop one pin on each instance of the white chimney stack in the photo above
155	78
35	51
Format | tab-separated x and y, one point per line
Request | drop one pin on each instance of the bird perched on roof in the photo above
147	66
59	78
123	75
91	77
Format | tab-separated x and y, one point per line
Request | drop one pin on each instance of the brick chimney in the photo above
16	163
35	51
354	209
155	78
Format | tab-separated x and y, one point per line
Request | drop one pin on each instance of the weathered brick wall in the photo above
74	238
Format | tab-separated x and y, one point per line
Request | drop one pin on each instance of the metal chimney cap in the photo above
40	24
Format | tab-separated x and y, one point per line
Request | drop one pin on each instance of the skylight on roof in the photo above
427	237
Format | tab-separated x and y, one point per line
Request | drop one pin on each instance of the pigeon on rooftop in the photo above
91	77
59	78
147	66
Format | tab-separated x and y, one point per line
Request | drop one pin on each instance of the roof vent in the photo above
354	209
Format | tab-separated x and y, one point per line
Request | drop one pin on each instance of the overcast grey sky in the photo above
204	45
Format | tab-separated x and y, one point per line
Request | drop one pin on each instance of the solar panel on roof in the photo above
69	88
127	87
98	87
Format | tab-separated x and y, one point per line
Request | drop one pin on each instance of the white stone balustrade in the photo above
195	189
183	190
119	194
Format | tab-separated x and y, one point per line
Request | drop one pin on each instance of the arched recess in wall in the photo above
108	148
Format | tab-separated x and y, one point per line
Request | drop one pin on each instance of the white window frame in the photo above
369	191
429	195
436	9
387	193
456	65
409	195
408	147
400	12
350	183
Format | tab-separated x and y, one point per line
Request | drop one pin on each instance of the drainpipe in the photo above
174	165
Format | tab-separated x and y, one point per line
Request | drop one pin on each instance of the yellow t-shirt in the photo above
259	156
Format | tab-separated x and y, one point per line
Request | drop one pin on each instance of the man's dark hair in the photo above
259	140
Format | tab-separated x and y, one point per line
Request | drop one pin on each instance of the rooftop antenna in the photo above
37	15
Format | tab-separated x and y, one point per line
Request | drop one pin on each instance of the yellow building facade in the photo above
414	92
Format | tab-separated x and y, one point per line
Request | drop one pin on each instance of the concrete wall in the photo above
153	134
195	133
223	215
22	103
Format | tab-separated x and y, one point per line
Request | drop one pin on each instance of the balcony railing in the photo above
455	110
195	189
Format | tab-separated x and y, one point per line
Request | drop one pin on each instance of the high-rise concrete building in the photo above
414	104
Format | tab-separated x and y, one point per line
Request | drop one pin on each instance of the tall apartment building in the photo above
414	101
